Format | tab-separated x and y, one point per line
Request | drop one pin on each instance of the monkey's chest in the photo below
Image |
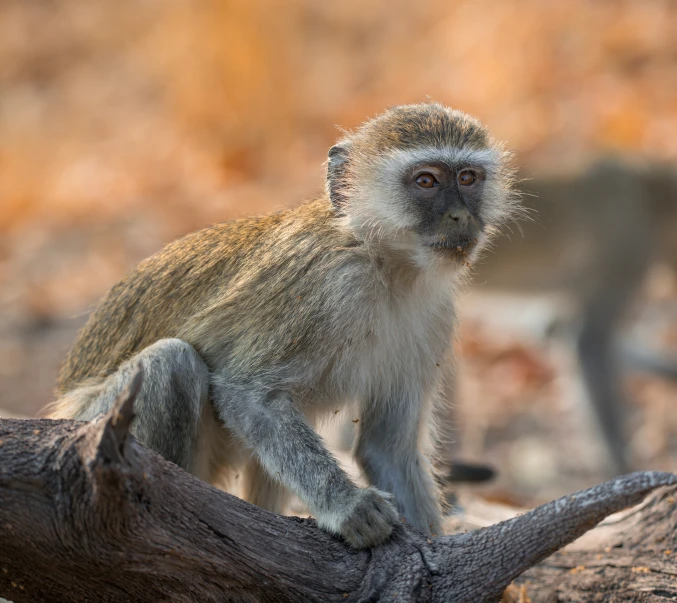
399	352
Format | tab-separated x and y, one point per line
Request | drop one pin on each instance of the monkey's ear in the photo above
337	163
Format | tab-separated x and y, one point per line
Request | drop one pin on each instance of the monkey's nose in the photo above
457	214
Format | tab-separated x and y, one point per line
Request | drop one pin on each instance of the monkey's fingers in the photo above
370	521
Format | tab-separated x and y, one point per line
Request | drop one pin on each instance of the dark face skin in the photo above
447	199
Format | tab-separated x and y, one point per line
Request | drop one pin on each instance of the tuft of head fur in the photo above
364	169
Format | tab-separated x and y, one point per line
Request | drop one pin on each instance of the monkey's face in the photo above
445	201
422	179
437	204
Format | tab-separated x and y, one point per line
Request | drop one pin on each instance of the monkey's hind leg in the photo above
173	415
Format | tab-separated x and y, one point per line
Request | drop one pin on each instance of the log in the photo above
631	558
88	513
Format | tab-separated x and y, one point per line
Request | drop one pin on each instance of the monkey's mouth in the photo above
453	246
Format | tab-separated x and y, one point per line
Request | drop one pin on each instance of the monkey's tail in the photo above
74	404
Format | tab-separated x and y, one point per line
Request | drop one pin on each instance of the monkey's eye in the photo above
466	178
427	181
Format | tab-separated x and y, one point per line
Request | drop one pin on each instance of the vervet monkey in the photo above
249	331
593	234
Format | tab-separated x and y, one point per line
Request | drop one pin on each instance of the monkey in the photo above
249	331
593	234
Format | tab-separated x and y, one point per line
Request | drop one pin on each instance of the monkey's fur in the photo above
248	331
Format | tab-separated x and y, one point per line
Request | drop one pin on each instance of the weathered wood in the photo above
631	558
87	513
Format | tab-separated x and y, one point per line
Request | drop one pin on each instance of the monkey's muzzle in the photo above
453	246
455	234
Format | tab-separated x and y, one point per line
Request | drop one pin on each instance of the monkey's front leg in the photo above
289	450
388	451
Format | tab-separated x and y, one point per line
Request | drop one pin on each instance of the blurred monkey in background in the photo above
593	235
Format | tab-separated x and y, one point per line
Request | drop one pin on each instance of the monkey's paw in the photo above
370	521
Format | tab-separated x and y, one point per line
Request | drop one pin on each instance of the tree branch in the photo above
88	512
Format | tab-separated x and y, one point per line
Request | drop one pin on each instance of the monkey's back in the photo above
162	296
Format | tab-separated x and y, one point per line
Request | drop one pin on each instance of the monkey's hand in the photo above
370	519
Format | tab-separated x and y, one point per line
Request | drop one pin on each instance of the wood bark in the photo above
631	558
87	513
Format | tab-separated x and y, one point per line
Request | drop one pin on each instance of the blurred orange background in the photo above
126	124
172	114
